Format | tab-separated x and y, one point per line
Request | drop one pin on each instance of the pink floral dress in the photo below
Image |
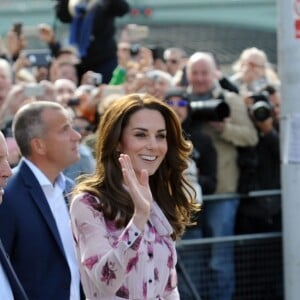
127	263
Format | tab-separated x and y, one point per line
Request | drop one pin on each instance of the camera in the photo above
205	110
261	109
134	49
73	102
210	110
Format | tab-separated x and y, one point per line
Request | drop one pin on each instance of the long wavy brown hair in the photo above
168	186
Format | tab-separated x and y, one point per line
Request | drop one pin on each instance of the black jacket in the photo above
204	154
267	175
103	45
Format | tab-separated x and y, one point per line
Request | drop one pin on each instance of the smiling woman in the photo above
126	217
144	140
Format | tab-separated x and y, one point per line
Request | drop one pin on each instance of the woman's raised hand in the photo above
139	190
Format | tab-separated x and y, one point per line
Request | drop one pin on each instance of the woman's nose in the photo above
152	143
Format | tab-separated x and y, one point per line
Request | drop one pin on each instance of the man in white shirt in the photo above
34	220
10	287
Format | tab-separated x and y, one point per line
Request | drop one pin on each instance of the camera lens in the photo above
134	49
261	110
210	110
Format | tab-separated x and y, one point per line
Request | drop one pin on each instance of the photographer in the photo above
227	135
263	214
204	153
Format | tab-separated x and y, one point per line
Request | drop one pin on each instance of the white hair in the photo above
159	74
258	55
202	56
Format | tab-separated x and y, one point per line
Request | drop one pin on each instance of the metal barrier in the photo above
257	259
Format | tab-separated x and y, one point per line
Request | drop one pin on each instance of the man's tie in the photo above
18	291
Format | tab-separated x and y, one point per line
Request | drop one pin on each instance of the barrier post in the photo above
289	71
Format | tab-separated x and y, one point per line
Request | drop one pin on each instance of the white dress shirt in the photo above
54	195
5	290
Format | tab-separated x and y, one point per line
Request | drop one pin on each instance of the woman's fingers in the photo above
129	174
144	178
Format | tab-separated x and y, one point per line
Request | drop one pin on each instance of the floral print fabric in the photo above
126	263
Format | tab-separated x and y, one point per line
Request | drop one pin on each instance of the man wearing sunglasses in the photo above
175	59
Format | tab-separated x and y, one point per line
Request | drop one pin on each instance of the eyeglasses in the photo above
172	61
82	128
179	103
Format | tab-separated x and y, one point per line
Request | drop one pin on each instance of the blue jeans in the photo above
219	220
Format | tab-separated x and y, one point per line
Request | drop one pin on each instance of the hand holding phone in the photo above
95	79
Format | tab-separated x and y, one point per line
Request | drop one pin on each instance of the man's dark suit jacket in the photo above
14	282
31	239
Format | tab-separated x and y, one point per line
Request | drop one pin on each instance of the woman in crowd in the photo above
127	217
253	72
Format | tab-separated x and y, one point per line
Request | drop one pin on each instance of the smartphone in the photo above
17	28
33	90
95	79
39	57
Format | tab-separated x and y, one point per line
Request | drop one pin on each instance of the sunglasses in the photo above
172	61
82	128
180	103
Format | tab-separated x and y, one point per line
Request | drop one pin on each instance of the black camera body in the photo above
73	102
134	50
210	110
261	108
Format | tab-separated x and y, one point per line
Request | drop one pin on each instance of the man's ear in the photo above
38	146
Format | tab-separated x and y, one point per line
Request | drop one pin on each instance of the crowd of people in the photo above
113	146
